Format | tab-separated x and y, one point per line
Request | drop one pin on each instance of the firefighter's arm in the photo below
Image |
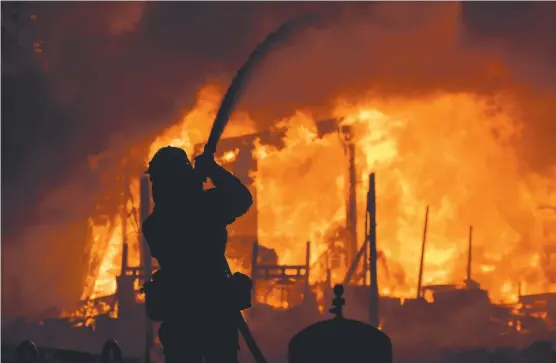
237	194
238	197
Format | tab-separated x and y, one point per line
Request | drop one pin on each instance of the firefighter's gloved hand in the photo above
204	164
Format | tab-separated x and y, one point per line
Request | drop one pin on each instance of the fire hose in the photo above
226	108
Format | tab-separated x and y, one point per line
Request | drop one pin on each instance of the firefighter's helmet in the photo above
168	158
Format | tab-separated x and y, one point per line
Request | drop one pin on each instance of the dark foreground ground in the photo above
538	352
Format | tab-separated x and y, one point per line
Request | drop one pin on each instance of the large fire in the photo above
452	151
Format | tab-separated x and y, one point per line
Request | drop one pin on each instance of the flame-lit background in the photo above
453	106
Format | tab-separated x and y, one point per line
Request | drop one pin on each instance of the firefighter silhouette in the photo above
186	232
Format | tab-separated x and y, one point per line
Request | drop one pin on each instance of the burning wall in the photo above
447	123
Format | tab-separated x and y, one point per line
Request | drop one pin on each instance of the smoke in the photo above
523	34
414	48
112	75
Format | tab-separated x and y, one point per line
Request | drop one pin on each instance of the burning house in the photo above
281	287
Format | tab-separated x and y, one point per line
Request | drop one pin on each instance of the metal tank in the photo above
340	340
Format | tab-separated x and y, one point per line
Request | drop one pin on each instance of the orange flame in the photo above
453	152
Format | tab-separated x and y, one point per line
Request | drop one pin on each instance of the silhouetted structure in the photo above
282	276
374	319
422	262
348	139
340	340
369	253
243	164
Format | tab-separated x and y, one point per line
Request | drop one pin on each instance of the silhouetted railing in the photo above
111	352
27	352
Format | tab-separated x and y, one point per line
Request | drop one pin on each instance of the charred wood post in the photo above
307	271
366	261
351	210
125	293
125	252
254	262
370	234
369	249
469	256
420	280
373	286
328	290
145	209
124	217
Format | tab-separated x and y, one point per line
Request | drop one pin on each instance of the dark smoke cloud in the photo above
117	73
414	48
113	69
400	48
523	32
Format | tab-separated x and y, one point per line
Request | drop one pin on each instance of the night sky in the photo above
113	75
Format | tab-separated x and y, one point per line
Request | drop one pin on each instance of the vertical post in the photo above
351	212
366	263
374	319
124	216
352	209
328	290
145	208
307	271
254	261
366	257
420	280
469	255
125	253
125	294
125	249
254	192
